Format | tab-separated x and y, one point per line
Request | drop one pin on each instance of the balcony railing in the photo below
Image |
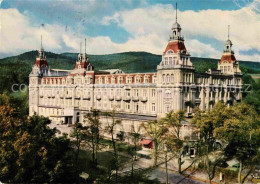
118	98
87	97
174	66
135	98
127	98
144	99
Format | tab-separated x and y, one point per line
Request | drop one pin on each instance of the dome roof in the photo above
228	42
176	25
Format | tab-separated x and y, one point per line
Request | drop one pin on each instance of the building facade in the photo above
65	96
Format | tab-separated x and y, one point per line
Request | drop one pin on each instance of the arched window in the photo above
172	78
168	78
163	78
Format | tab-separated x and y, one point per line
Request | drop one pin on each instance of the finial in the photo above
80	48
176	11
85	46
228	31
41	41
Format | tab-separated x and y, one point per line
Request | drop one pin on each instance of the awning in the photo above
145	141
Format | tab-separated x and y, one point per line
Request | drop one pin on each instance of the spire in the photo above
85	47
41	41
176	12
228	31
41	51
80	48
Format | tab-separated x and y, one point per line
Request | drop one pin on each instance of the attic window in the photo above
79	67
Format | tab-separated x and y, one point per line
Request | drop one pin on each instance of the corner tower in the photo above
175	59
82	63
228	63
39	69
174	72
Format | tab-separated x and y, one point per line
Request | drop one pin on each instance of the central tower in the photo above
174	72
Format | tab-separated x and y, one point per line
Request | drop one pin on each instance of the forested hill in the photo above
16	69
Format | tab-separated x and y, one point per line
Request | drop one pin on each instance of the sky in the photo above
113	26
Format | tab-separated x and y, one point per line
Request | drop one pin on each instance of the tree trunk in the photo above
155	153
132	173
179	164
114	147
166	167
93	149
239	172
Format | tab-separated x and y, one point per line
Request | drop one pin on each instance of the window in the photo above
168	94
120	80
100	80
153	92
136	107
127	105
146	79
113	80
167	108
172	78
118	105
144	92
168	78
112	92
170	60
106	80
166	61
154	79
136	92
144	107
153	107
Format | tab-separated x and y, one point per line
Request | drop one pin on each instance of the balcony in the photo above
127	98
87	97
118	98
111	98
135	98
144	99
98	97
174	66
77	97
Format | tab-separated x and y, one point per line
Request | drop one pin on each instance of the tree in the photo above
79	134
253	97
175	143
94	128
156	129
241	132
29	150
112	122
208	152
135	136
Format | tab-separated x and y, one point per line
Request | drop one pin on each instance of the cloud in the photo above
210	24
148	27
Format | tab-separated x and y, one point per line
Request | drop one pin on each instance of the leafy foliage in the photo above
29	150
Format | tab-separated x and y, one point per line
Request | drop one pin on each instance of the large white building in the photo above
66	95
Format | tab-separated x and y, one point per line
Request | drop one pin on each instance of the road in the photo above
173	177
